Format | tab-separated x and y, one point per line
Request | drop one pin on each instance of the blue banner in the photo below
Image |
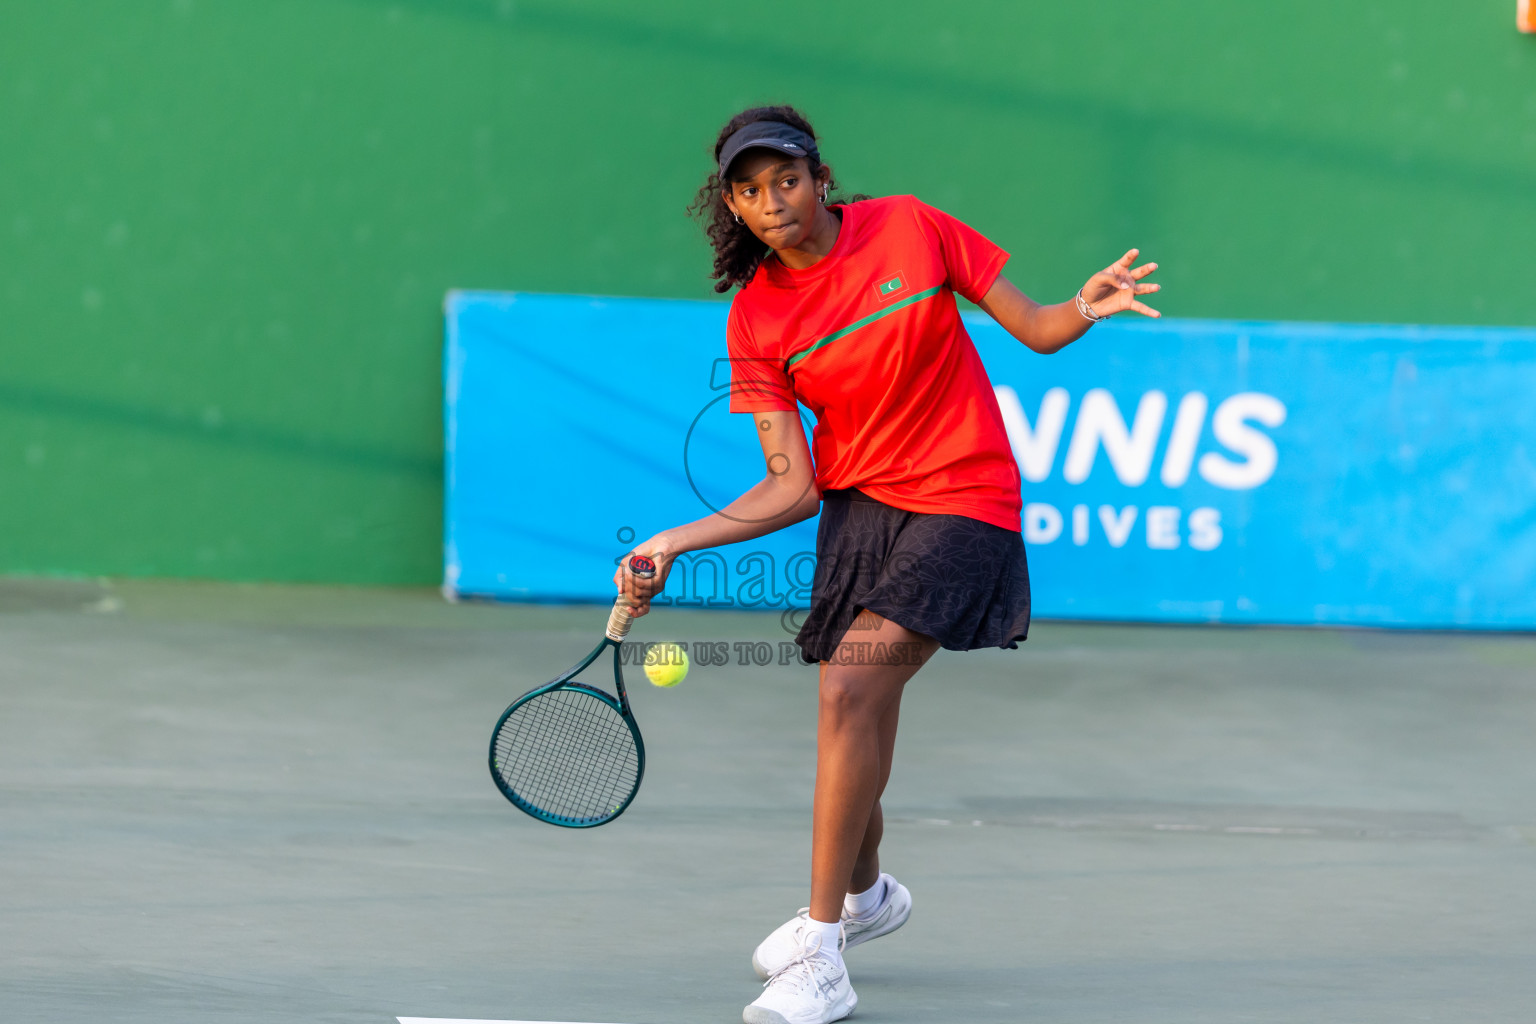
1175	470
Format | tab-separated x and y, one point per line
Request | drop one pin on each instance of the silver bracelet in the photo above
1087	310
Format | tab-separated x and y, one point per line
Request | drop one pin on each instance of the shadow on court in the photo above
241	803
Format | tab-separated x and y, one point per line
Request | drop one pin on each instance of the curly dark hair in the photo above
737	250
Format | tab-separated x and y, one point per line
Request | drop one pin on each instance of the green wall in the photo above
228	224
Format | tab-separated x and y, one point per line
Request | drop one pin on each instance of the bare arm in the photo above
1047	329
785	495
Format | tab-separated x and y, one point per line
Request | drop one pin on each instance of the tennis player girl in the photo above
849	308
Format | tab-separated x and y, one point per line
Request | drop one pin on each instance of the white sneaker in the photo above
783	944
810	989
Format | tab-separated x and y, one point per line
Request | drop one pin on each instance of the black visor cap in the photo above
777	135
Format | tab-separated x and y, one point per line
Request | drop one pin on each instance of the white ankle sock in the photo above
830	938
858	904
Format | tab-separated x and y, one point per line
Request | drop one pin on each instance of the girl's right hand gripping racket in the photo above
568	753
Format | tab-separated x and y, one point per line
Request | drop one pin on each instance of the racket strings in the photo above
568	754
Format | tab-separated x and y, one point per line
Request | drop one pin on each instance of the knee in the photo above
844	702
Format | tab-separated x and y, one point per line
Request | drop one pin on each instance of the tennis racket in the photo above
569	753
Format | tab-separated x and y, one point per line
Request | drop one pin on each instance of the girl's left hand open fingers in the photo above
1107	283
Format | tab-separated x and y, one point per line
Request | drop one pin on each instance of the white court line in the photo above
448	1020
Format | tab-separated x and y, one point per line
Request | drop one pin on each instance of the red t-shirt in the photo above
869	339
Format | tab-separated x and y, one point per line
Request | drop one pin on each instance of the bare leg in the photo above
866	870
853	755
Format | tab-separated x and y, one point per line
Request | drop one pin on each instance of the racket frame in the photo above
620	704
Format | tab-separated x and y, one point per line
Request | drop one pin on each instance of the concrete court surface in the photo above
268	804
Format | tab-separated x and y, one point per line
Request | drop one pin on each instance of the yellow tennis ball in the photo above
666	664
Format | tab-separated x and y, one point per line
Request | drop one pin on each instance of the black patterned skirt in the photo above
957	579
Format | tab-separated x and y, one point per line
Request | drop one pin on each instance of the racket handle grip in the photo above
623	613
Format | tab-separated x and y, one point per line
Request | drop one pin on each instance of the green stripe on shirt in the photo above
829	339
